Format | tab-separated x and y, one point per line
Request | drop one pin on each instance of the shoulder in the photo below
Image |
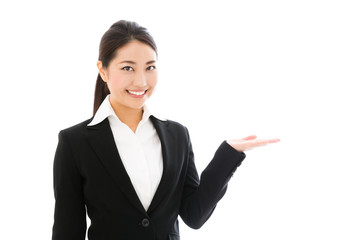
171	132
76	130
169	124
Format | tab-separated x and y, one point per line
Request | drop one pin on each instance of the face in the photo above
131	76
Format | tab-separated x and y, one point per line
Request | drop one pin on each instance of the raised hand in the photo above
250	142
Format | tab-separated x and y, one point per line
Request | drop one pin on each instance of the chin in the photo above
136	106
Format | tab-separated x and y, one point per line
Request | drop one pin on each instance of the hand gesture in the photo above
250	142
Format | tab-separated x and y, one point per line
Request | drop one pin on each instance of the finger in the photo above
264	142
273	140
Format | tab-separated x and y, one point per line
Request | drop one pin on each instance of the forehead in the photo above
136	51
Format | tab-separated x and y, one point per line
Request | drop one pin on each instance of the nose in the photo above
140	80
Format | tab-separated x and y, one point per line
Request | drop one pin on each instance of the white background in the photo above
285	69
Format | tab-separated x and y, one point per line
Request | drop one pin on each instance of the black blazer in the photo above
89	177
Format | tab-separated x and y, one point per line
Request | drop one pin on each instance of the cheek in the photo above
152	80
118	81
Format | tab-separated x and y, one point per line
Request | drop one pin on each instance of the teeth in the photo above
136	93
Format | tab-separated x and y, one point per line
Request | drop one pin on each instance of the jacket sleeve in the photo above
200	197
70	211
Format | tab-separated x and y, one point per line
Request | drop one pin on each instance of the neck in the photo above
129	116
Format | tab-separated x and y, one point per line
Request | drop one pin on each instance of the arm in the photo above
70	212
201	196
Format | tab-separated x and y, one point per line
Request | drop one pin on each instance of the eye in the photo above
150	68
128	68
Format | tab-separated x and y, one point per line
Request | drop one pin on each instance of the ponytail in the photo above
101	91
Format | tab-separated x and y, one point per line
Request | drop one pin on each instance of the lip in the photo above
136	93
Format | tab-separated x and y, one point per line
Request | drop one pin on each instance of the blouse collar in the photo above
105	110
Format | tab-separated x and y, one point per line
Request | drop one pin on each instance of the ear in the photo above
102	70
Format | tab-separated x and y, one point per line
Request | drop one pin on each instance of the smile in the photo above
137	93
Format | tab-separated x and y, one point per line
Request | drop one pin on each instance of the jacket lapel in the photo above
168	143
102	141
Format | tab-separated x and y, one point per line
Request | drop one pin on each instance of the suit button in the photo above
145	222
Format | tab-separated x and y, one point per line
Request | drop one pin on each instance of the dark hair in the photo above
119	34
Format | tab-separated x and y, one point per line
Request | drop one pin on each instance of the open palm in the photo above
250	142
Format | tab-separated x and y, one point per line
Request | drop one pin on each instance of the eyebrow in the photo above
132	62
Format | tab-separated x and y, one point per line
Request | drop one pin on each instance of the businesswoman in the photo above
132	173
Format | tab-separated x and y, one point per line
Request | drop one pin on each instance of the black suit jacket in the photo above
89	177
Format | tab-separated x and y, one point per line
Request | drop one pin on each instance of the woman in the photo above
131	172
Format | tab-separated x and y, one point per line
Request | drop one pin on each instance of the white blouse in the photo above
140	152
